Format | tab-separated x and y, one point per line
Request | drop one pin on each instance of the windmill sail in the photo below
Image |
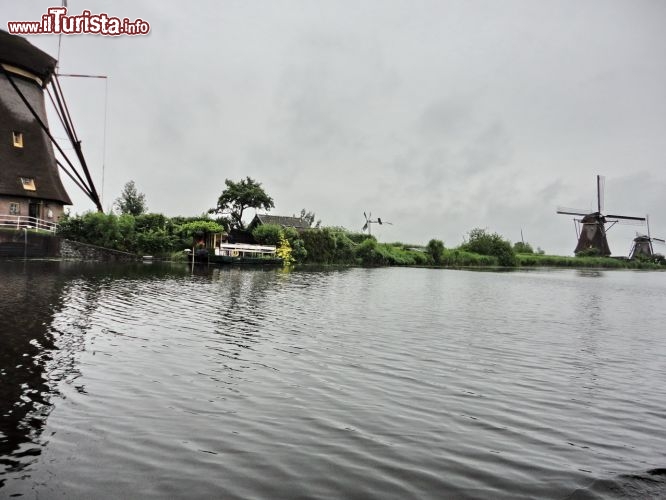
625	217
572	211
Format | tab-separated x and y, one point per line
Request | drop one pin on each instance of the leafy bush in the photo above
284	250
328	246
156	242
370	254
198	226
420	258
298	251
267	234
344	248
320	245
589	252
494	245
435	249
358	237
150	222
520	247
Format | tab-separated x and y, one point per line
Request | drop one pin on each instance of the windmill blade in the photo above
365	226
625	217
601	183
389	223
379	220
659	240
572	211
623	222
364	215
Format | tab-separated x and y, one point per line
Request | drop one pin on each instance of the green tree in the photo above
131	201
239	196
435	249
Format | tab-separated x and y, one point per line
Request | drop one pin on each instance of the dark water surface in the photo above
145	381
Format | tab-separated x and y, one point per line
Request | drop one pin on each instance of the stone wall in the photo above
29	244
73	250
36	245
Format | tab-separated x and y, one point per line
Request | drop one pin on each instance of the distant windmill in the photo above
369	222
642	245
592	234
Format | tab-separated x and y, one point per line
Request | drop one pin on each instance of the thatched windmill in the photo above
642	245
30	184
591	228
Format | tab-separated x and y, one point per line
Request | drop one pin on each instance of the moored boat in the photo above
245	253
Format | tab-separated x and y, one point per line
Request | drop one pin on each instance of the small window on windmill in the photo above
14	209
17	137
28	183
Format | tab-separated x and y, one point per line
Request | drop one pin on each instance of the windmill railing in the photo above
27	222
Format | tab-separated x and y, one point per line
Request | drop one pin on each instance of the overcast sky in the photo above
439	116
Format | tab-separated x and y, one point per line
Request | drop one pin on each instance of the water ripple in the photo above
362	383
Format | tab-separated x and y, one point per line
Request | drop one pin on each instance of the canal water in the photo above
150	381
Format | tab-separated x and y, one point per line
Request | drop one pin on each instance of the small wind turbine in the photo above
369	222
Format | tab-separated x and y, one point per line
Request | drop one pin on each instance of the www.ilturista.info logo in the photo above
56	21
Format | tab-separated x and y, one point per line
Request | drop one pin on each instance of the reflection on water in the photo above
590	273
159	381
39	351
28	304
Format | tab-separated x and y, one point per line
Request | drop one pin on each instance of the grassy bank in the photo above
535	260
165	237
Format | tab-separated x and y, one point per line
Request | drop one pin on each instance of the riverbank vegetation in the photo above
145	234
142	233
165	237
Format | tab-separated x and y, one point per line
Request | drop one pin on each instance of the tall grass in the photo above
533	260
